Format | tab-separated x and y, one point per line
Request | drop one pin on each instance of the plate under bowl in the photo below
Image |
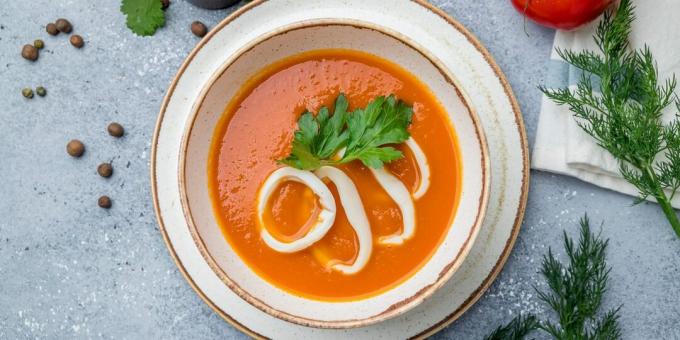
291	40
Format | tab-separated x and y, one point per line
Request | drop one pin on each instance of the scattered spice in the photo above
199	29
52	29
105	170
39	44
165	4
75	148
104	202
116	130
40	91
29	52
27	92
77	41
63	25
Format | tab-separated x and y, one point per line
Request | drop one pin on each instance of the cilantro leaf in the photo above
364	133
143	16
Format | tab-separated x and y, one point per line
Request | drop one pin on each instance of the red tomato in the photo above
562	14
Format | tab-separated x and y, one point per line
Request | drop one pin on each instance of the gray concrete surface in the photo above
71	270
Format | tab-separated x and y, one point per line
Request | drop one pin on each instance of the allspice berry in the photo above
75	148
104	202
105	170
51	29
115	130
39	44
165	4
199	29
63	25
29	52
77	41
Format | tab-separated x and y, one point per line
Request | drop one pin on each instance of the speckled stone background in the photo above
69	269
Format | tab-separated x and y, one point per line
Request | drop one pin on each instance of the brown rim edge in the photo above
398	307
518	219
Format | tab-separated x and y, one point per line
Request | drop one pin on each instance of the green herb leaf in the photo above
384	121
143	16
577	289
575	294
516	329
364	133
624	115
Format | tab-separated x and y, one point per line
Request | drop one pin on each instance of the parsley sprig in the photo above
576	292
625	116
365	134
143	16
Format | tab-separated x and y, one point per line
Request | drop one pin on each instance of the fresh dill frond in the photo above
575	294
576	290
624	114
517	329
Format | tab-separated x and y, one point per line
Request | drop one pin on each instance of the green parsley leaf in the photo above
384	121
364	132
143	16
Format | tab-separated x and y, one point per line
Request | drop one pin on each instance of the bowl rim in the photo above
396	308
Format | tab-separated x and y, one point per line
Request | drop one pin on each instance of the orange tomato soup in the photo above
256	130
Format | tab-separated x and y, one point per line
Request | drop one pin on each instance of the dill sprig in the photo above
518	328
624	114
576	292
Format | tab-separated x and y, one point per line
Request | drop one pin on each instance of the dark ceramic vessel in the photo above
214	4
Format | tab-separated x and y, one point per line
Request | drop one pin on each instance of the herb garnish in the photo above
576	294
625	118
143	16
363	133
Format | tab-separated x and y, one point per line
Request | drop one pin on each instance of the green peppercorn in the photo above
27	92
40	91
39	44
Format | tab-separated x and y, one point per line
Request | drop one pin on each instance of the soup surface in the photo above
256	130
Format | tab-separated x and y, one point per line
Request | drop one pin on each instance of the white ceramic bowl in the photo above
196	202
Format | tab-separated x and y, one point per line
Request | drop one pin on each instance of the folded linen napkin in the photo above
561	146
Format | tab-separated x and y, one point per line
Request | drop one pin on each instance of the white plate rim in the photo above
515	224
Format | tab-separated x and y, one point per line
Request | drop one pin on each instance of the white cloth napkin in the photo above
561	146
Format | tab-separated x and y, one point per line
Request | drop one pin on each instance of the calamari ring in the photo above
325	218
